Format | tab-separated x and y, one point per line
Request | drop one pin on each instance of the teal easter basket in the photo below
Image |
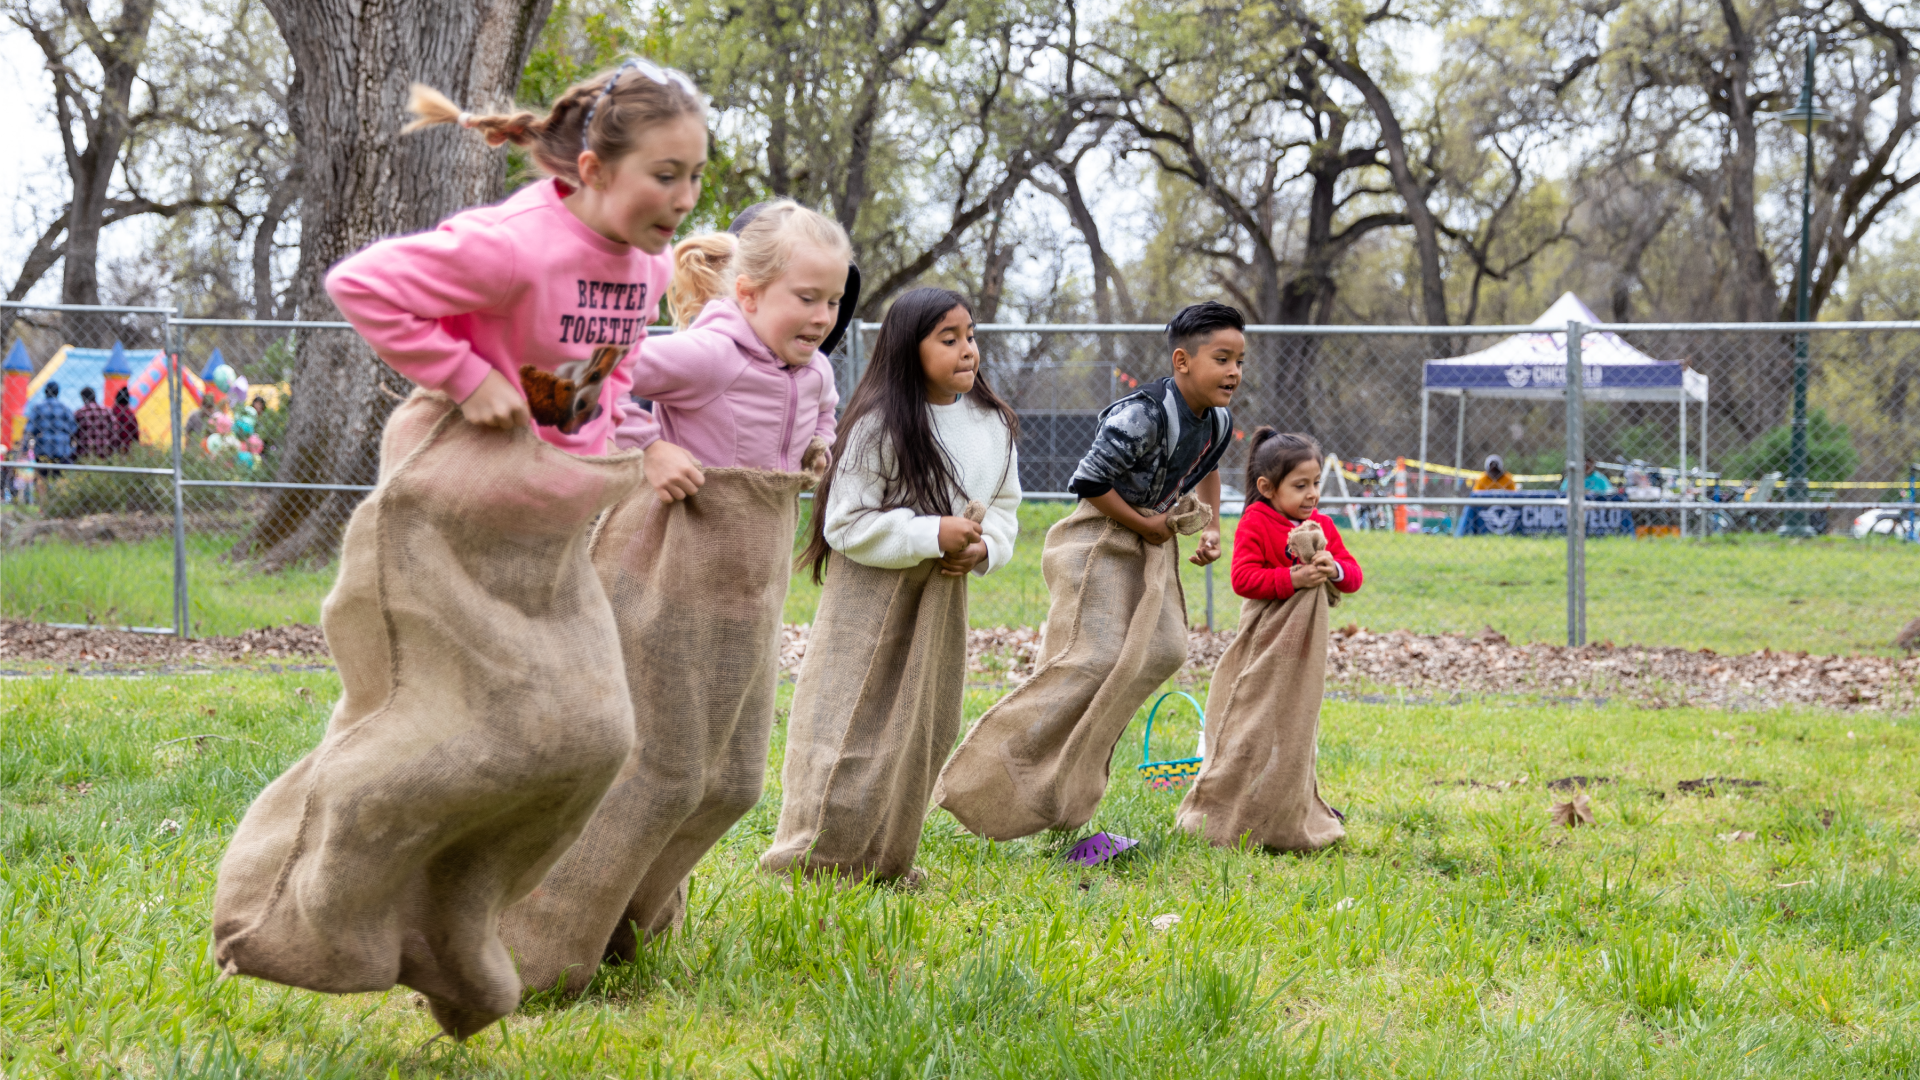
1179	772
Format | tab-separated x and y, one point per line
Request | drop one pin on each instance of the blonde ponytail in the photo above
699	274
556	140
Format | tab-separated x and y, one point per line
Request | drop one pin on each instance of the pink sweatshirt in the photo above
522	282
720	394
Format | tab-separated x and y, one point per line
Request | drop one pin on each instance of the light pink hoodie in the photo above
721	395
522	282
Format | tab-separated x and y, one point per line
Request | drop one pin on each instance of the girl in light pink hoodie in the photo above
697	588
746	385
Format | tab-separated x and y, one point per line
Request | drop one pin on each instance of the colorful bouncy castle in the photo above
17	372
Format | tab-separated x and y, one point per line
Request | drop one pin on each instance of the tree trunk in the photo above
363	180
1753	270
1426	231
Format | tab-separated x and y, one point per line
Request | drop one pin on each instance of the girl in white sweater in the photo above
925	489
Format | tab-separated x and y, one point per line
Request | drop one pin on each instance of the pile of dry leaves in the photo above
1428	665
116	648
1452	664
1649	676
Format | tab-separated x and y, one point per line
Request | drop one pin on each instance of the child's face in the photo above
642	197
1208	376
949	358
793	314
1297	495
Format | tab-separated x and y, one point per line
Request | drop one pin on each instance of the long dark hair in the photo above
894	392
1271	455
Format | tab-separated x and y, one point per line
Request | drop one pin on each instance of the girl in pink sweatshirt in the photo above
560	268
746	384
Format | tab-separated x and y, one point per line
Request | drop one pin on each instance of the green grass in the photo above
131	584
1733	595
1455	934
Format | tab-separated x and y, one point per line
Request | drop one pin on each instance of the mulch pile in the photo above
116	648
1441	666
1450	665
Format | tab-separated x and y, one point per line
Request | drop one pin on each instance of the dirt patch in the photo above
1437	667
1711	786
21	531
123	648
1645	676
1577	783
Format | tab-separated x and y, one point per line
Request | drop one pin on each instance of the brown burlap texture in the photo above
874	715
697	588
483	714
1263	722
1116	629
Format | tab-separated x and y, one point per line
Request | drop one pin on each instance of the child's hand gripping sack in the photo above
570	396
1189	515
1305	544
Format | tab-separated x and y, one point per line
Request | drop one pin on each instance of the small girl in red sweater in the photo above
1263	707
1284	470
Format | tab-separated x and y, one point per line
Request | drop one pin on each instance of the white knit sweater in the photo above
984	463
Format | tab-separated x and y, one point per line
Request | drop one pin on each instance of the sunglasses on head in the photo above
663	76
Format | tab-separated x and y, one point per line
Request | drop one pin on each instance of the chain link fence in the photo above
1685	430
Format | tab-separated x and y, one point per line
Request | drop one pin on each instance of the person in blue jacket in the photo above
50	426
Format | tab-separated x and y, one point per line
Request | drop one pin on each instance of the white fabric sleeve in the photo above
883	539
1002	526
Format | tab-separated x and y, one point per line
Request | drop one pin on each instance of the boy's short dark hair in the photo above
1197	322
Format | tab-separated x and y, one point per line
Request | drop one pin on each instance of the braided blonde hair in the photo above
699	274
555	140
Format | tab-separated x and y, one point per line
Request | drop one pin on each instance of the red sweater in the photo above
1262	569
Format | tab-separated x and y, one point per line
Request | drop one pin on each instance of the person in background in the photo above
50	428
126	426
1496	478
92	427
1597	482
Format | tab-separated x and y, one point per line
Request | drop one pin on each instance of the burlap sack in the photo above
483	714
1116	629
1263	722
874	715
697	588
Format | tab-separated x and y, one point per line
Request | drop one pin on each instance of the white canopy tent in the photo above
1534	367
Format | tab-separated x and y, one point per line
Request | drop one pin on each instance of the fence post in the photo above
859	350
1209	598
1576	479
176	385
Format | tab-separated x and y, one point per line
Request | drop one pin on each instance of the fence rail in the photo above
1800	415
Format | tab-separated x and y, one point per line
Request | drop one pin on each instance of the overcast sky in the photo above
30	170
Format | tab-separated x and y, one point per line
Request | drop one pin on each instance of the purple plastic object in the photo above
1099	847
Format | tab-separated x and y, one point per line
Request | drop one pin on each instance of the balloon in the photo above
245	459
222	423
208	445
256	444
243	424
223	377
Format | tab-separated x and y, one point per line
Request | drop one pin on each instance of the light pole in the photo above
1803	117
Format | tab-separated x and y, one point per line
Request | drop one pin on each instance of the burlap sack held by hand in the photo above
874	715
483	713
1263	724
697	588
1116	629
